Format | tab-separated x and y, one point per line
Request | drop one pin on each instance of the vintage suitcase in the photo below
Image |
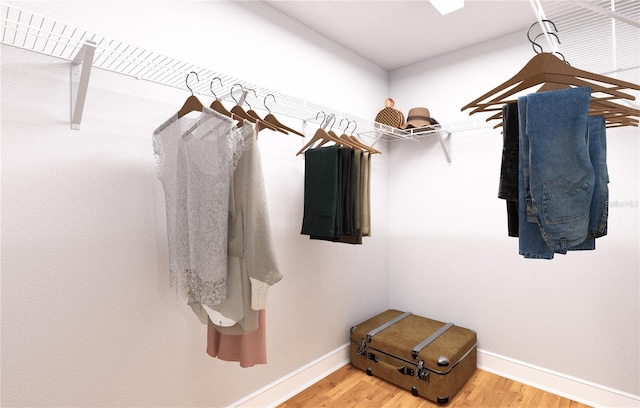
427	357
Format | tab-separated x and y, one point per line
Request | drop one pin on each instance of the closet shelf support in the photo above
81	66
445	143
390	134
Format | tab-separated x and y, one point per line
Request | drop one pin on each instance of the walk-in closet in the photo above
108	106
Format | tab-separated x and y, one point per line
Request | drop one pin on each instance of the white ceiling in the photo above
397	33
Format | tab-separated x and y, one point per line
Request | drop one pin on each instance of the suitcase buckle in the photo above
422	373
361	348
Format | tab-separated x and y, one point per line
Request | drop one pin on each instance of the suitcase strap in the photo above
416	350
386	325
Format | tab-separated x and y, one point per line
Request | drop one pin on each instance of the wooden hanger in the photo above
241	115
551	82
192	104
548	70
324	137
216	105
262	124
238	113
546	65
614	114
354	140
369	148
274	121
334	136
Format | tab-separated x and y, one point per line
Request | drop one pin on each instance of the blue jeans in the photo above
599	212
598	151
556	181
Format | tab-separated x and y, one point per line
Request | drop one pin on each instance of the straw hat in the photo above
419	117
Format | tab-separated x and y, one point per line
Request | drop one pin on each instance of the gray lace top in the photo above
196	158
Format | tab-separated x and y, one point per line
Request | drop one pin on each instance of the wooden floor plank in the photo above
349	387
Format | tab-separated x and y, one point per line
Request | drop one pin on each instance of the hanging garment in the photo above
508	187
599	214
252	226
248	350
252	262
365	172
356	237
336	194
196	158
346	197
322	216
253	266
345	185
560	147
348	192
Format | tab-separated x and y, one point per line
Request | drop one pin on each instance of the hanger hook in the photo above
247	100
211	86
186	80
533	42
544	21
555	52
552	33
354	129
264	102
324	116
534	45
563	58
231	92
552	23
348	124
331	115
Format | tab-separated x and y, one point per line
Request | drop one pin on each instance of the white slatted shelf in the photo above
30	31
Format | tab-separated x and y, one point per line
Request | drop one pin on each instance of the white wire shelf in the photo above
33	32
30	31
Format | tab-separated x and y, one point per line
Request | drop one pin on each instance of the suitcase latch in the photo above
423	373
361	348
406	371
373	357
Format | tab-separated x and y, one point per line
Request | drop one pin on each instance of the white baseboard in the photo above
286	387
557	383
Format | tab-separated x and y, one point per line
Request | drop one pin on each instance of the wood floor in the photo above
350	387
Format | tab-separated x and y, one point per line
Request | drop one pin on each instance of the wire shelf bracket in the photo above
80	71
390	133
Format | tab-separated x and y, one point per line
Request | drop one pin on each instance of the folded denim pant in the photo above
598	152
599	212
556	180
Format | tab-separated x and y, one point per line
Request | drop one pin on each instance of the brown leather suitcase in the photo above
431	359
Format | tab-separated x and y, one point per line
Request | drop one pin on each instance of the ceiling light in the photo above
447	6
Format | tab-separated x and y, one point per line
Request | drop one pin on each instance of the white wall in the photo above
88	318
450	257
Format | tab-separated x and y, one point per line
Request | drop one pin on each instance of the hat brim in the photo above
414	124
